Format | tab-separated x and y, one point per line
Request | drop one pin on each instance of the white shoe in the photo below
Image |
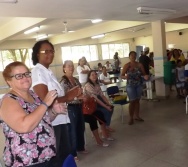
110	139
103	144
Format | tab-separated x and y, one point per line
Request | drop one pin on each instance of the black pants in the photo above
63	148
92	119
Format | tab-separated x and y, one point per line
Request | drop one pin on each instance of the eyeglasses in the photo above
47	51
21	75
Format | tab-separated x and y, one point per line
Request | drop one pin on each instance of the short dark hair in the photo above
132	52
36	49
103	67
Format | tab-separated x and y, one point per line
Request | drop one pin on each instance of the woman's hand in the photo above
59	108
109	107
49	98
146	77
74	92
83	97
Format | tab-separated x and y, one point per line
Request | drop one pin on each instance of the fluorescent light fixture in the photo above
96	21
44	36
98	36
147	10
8	1
32	30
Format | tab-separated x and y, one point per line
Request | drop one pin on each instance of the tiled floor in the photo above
160	141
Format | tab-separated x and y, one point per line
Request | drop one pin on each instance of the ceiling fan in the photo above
66	30
65	27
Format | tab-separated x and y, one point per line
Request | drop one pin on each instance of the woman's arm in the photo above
146	77
124	71
105	105
41	90
91	90
15	117
177	78
86	71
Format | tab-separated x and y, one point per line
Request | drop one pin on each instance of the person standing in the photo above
77	125
26	120
82	71
133	71
145	60
116	63
43	81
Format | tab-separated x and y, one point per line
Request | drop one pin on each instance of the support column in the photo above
159	49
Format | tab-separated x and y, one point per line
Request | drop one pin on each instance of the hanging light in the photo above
8	1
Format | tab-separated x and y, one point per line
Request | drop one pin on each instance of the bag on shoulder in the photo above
89	106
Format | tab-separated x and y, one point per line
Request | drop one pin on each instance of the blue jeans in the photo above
134	91
107	114
76	128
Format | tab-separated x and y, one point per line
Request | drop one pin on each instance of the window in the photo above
108	50
8	56
74	53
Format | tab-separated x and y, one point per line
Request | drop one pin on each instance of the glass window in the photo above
74	53
108	50
9	56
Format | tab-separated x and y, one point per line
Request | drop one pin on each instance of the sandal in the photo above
83	152
103	144
139	119
131	122
76	159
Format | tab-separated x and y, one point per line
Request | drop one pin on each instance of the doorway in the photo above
138	51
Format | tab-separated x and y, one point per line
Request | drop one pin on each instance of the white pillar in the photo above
159	49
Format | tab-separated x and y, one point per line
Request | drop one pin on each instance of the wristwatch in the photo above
75	98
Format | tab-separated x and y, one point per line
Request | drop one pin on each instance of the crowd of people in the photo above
45	123
176	57
49	123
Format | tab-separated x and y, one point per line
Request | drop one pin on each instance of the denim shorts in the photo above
134	91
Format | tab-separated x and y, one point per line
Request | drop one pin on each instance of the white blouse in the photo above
42	75
82	77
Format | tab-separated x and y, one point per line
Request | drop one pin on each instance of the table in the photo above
114	76
149	88
118	84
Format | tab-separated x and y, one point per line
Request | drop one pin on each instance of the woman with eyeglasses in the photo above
26	120
43	81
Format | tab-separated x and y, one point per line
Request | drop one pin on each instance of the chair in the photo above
114	91
69	162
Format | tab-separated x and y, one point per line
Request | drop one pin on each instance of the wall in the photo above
171	38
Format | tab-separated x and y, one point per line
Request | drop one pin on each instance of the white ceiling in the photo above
16	18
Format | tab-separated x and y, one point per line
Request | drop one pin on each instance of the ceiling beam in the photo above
106	27
22	23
